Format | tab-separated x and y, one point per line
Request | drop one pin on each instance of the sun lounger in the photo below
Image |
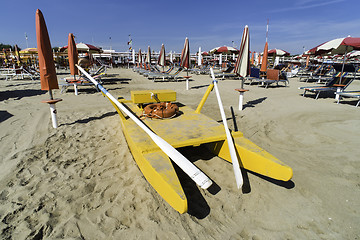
331	87
323	75
254	76
273	76
228	73
203	70
349	94
20	72
167	76
307	72
77	82
157	71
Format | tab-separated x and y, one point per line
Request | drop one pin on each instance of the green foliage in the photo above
7	46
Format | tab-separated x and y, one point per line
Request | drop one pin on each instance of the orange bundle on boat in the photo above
161	110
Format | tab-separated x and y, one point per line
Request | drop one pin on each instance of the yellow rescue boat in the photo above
190	128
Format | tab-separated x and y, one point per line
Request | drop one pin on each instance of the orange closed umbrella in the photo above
264	59
48	77
307	60
72	55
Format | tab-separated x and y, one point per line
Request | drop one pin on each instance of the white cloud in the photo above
306	4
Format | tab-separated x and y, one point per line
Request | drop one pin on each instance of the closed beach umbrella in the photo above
72	55
140	58
307	60
185	60
148	56
17	54
242	67
161	59
199	57
185	55
252	58
5	56
48	77
264	59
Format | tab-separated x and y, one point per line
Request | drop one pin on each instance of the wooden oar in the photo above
233	155
190	169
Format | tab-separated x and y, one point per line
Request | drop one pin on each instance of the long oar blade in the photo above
233	155
190	169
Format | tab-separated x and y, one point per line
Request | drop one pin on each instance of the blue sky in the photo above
292	24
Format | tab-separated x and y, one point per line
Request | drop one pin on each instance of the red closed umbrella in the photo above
185	55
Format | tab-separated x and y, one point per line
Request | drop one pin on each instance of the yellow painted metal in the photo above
203	100
147	96
153	163
253	158
189	129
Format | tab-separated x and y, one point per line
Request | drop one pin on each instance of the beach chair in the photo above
167	76
348	94
80	81
158	72
273	76
323	75
331	87
254	75
228	73
308	71
203	70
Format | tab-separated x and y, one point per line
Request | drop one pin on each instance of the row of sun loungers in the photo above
19	73
81	81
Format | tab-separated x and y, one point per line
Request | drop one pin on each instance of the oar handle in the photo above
233	155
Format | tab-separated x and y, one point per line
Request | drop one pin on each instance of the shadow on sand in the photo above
254	102
89	119
4	115
19	94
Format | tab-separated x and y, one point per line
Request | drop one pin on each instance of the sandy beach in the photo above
80	181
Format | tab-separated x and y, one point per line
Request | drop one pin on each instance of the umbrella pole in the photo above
75	86
187	79
52	103
337	96
342	69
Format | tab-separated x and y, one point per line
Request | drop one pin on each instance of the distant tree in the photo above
7	46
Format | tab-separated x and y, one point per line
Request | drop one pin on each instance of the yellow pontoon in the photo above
190	128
